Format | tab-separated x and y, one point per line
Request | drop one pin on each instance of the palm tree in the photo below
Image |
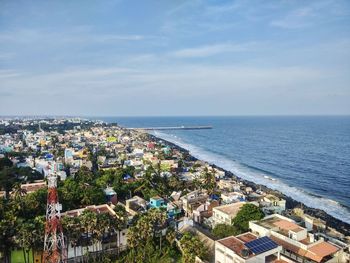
8	226
119	223
170	236
142	235
89	223
101	229
72	232
7	180
38	233
18	191
208	178
25	238
147	181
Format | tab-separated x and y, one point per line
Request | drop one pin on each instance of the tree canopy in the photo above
192	247
248	212
224	230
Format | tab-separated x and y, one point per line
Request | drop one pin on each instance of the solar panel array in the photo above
261	245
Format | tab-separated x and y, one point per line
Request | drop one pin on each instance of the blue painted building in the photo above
158	202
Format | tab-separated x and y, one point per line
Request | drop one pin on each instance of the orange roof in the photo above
287	225
297	250
234	244
316	252
246	237
321	250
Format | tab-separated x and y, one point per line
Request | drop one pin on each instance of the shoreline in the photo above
291	203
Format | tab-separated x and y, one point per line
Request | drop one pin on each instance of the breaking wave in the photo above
261	177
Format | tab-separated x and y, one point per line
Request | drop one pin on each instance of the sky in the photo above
174	57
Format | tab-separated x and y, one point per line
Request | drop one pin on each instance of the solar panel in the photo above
261	245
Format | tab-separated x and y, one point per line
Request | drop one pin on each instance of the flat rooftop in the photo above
316	252
248	245
230	209
247	237
98	209
236	245
287	225
276	223
32	187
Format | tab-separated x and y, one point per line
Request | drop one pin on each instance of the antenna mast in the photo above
54	245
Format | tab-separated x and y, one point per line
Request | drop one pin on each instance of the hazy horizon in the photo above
170	116
175	58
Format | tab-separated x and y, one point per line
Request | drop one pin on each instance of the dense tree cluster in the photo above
191	247
150	239
90	228
224	230
248	212
240	224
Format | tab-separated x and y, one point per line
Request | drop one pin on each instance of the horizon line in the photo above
171	116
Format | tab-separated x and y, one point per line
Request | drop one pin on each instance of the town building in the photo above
297	243
247	248
225	213
193	200
114	240
272	204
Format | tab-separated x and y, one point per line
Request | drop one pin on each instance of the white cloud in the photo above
196	89
6	55
6	74
72	36
295	19
317	12
210	50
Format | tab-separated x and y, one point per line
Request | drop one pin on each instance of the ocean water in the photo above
307	157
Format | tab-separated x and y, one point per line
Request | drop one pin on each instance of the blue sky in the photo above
173	57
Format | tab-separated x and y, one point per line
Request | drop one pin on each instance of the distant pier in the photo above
173	128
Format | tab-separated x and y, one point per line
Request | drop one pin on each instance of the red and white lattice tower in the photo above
54	245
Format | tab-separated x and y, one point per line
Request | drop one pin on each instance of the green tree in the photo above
8	225
72	231
25	237
191	247
89	224
145	234
224	230
84	175
248	212
5	162
33	204
119	222
38	233
208	180
7	180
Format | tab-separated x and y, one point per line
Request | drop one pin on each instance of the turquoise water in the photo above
307	157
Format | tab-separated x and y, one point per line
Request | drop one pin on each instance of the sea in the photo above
306	158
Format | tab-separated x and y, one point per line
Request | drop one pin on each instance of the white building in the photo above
193	200
225	213
298	245
272	204
232	197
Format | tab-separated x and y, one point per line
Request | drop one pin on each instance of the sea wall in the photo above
291	203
